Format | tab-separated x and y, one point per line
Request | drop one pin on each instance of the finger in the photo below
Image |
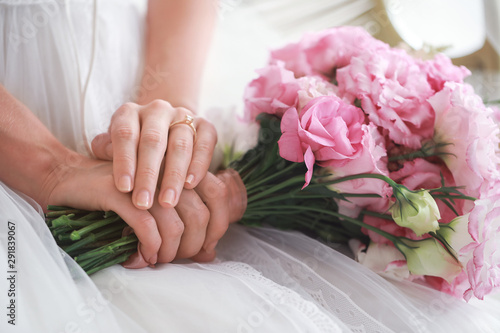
143	223
125	129
136	260
151	151
204	145
204	256
171	229
102	147
213	191
195	216
178	157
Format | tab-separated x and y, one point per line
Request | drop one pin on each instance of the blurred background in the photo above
468	31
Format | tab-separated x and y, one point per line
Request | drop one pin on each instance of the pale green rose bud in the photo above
416	210
456	233
429	257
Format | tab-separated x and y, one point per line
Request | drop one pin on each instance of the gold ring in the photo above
186	121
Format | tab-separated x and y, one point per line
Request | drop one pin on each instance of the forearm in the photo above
178	38
31	157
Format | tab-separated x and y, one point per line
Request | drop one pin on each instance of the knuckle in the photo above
176	228
184	110
148	173
182	145
175	175
153	138
126	109
203	217
124	159
159	104
219	189
125	133
205	147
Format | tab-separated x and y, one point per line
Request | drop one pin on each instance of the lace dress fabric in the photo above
73	63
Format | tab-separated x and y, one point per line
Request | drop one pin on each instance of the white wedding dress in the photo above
73	63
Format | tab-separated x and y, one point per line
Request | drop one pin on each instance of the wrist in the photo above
58	167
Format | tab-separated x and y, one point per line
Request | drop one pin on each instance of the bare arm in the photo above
178	38
30	163
177	41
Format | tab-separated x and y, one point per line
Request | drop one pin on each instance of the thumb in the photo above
102	147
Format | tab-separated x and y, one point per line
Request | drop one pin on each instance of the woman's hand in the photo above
197	223
138	139
190	230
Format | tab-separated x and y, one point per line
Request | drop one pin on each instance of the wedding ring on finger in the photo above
188	120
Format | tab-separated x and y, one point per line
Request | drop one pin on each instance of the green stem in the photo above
277	187
118	260
273	176
109	248
78	234
387	235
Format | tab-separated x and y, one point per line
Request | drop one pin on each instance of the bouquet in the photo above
360	143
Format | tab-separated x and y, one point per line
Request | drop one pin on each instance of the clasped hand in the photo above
155	177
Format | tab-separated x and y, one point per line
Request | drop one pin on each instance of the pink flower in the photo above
327	131
320	53
466	125
371	158
441	70
483	266
393	92
312	87
273	92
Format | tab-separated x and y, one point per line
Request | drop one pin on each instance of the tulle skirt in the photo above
263	280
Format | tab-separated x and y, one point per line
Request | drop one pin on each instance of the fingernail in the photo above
135	261
169	197
152	261
143	199
210	247
125	184
189	179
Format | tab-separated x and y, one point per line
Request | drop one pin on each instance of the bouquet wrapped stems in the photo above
276	197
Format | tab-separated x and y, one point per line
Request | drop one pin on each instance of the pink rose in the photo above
441	70
273	92
393	92
466	125
327	131
321	52
371	158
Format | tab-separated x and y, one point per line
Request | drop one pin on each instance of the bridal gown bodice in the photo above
73	63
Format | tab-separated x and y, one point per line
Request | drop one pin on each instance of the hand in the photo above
191	229
197	223
137	141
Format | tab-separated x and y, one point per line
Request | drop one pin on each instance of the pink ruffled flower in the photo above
321	52
483	266
327	131
273	92
312	87
393	92
466	125
371	158
441	70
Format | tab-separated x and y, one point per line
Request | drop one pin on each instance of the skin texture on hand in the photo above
140	137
